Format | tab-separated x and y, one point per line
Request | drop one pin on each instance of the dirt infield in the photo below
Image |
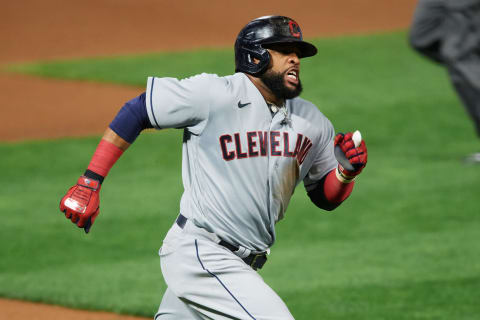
30	30
16	310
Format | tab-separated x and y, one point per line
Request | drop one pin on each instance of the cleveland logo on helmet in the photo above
295	29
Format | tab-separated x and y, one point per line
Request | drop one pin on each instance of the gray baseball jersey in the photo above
241	163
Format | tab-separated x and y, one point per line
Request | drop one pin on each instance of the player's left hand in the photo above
81	203
357	156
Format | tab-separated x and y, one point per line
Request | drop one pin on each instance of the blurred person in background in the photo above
448	32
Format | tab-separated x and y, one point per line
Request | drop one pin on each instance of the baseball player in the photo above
249	140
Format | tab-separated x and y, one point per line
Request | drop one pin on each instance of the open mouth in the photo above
292	76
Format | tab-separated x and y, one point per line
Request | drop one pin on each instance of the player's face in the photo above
283	75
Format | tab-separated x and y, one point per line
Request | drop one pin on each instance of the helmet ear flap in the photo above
253	61
259	66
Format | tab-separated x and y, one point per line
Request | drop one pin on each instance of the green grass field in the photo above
406	245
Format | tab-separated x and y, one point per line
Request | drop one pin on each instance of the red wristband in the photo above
104	158
336	191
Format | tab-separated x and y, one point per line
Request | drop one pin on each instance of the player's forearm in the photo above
337	189
109	150
330	191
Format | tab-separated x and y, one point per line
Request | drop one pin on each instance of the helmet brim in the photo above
306	49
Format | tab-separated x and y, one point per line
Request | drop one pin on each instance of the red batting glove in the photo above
81	203
357	156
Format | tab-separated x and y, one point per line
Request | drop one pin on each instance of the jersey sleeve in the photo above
325	159
174	103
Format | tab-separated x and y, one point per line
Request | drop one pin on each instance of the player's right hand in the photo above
81	203
356	155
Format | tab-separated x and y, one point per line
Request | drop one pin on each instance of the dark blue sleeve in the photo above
131	119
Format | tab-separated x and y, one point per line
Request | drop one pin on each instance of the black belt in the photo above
254	260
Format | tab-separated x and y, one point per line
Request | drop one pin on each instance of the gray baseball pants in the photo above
207	281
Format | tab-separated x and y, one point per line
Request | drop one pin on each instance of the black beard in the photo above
275	82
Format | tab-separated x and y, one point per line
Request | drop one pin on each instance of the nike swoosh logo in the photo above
241	105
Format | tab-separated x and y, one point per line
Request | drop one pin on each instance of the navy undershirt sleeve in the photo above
131	119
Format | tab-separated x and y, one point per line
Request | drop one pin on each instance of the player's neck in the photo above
265	91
